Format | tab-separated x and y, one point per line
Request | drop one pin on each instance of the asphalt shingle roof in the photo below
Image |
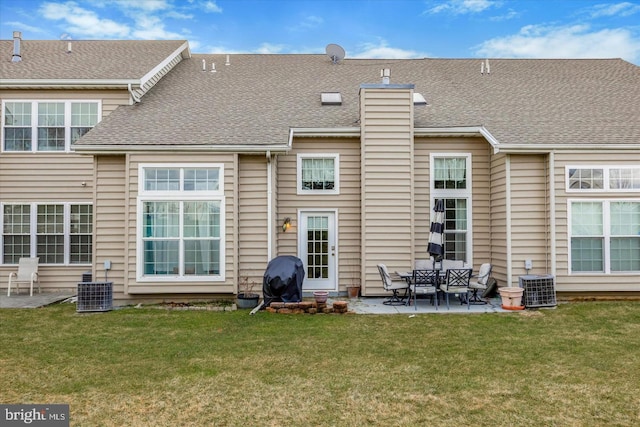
89	59
257	98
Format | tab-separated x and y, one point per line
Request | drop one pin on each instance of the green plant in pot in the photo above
247	298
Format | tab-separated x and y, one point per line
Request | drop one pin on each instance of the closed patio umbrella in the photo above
435	247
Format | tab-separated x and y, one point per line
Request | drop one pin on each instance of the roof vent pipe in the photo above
385	73
227	63
17	37
204	65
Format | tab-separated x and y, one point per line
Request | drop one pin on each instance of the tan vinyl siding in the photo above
498	218
38	177
529	215
587	282
253	218
387	182
171	288
347	202
109	218
47	178
111	99
481	193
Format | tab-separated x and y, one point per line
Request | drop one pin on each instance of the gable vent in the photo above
331	98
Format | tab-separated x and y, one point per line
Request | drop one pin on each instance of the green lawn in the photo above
576	365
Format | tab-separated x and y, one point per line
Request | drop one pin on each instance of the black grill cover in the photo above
283	279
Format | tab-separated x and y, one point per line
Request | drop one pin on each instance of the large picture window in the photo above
318	173
451	181
181	222
57	233
605	236
46	125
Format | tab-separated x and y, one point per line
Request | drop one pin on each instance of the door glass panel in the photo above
318	247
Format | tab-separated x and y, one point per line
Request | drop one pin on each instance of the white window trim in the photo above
605	179
606	235
33	228
182	196
34	122
336	166
465	193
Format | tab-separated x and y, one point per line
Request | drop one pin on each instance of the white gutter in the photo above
351	132
98	149
65	83
460	131
574	148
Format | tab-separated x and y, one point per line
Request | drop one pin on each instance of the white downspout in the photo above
270	219
508	214
552	210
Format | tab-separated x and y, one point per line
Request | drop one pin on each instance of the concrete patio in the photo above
374	305
362	305
23	300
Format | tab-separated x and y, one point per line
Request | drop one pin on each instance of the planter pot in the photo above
353	291
511	296
247	301
321	296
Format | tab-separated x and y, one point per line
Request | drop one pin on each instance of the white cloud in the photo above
145	5
617	9
564	42
383	51
152	28
308	23
24	27
462	7
83	22
267	48
211	6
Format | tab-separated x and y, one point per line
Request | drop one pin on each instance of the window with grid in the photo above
57	233
602	178
181	231
451	181
16	233
605	236
455	229
318	173
46	125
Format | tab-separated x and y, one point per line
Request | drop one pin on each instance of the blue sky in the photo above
365	29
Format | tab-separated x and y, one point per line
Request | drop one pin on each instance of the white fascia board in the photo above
245	149
66	83
349	132
179	51
460	131
574	148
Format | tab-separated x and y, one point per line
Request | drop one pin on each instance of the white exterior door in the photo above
317	249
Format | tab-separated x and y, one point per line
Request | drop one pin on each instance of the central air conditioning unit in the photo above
95	296
539	290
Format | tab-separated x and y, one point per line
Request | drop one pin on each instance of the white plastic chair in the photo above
27	273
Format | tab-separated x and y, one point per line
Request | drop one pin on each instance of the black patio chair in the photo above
424	282
456	281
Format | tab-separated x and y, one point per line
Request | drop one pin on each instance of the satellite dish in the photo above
335	52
